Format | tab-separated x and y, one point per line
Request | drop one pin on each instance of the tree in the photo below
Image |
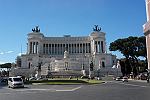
6	65
126	46
132	48
123	70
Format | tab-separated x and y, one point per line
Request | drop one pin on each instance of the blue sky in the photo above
118	18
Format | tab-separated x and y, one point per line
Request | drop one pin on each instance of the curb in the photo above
68	83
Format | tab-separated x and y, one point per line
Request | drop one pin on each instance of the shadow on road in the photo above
2	85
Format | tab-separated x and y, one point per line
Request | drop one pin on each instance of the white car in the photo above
32	78
125	79
118	78
14	82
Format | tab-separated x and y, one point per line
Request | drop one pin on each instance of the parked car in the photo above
84	77
3	80
32	78
125	79
114	78
14	82
119	78
98	78
142	76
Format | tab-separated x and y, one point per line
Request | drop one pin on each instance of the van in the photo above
14	82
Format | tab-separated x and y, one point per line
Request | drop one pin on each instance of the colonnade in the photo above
33	48
74	48
99	46
71	48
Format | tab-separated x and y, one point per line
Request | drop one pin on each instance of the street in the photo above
111	90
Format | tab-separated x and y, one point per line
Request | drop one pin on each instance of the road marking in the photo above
71	89
76	88
23	90
63	90
51	90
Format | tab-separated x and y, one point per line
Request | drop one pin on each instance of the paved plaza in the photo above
110	90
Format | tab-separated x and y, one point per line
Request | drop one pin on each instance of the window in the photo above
10	79
103	64
17	79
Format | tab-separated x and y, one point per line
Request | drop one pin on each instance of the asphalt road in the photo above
112	90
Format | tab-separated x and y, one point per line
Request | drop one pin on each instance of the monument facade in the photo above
67	52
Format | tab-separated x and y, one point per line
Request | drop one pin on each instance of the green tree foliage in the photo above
6	65
142	47
132	48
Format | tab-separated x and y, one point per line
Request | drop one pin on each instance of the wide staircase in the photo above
47	71
67	73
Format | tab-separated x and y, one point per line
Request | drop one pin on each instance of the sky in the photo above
117	18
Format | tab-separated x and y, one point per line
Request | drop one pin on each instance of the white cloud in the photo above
9	52
1	62
1	53
21	54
